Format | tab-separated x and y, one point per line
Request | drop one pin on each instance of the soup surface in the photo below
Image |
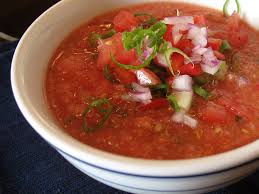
197	92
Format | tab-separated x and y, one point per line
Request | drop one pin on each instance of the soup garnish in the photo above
159	81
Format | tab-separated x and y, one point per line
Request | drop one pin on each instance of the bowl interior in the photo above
29	69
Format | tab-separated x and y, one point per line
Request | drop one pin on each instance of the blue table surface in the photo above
29	165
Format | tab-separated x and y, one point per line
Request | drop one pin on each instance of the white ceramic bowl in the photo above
134	175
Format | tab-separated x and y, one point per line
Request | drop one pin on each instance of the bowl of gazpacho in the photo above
145	96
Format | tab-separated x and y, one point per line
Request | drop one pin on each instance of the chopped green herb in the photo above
201	92
173	103
108	75
105	111
224	46
151	19
225	7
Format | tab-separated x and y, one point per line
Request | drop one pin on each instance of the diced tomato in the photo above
190	69
146	75
238	39
199	20
105	48
177	61
186	46
214	43
236	36
124	21
214	113
124	56
257	86
219	55
168	36
114	46
155	104
124	76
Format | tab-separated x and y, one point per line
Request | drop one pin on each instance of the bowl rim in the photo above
116	163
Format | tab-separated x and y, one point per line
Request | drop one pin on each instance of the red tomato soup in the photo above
158	81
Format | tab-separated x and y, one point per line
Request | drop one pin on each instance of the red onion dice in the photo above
179	20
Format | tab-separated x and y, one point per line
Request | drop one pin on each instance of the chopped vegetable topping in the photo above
173	103
167	56
201	92
139	94
104	111
151	19
184	99
108	75
224	46
222	72
225	7
137	67
108	34
94	37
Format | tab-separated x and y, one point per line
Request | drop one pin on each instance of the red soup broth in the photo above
73	79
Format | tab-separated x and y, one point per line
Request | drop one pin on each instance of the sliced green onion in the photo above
224	46
94	37
159	28
168	54
133	39
225	7
107	75
150	21
201	92
164	47
108	34
222	72
132	67
173	103
104	111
